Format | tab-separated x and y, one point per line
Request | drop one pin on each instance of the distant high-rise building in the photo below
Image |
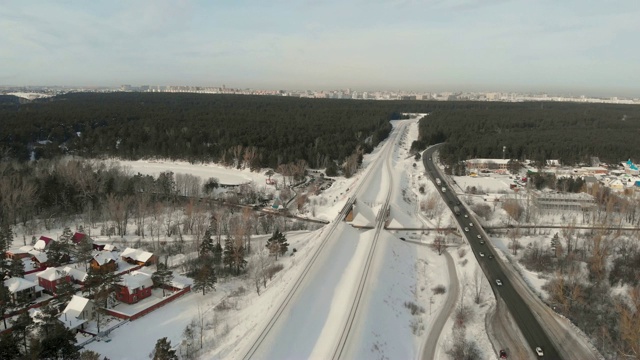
125	87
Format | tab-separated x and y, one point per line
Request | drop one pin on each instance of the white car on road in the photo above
539	351
499	282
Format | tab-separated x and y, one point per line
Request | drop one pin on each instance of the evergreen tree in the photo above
217	255
6	239
22	326
65	290
206	246
277	244
59	344
89	355
205	278
8	347
238	257
162	277
56	254
163	350
5	301
227	255
16	268
83	252
64	240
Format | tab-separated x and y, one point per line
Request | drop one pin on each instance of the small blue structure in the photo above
631	165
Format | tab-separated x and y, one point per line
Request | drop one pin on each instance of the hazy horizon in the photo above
573	47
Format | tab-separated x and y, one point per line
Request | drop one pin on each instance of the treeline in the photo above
243	131
569	132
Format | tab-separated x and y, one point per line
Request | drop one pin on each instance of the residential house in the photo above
77	313
39	259
138	257
104	262
78	276
109	247
43	243
51	277
78	237
19	253
22	290
616	184
134	287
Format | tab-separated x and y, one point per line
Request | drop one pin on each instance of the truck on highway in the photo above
444	189
456	210
438	181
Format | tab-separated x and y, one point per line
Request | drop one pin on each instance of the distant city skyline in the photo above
569	47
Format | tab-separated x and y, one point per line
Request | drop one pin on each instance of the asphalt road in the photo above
533	332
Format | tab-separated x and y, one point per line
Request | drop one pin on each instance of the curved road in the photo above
429	347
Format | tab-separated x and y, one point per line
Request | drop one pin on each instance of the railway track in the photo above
339	351
300	280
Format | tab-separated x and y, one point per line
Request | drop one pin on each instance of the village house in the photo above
104	262
50	278
78	237
109	247
78	276
43	243
39	259
77	313
22	290
138	257
134	287
19	253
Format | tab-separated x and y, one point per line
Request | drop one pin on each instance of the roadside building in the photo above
563	201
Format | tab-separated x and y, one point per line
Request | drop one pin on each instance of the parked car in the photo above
499	282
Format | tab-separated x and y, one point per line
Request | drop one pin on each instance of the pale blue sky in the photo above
578	47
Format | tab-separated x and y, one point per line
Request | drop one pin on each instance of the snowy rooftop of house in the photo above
104	257
109	247
136	254
51	274
42	243
75	273
16	284
136	279
70	315
77	237
40	256
180	282
21	249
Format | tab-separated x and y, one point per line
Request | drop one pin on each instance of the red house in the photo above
51	277
78	237
134	287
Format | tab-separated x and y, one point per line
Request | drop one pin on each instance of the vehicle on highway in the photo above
438	181
457	201
444	189
456	210
490	256
481	254
503	354
539	351
403	239
479	236
470	224
466	229
429	159
481	242
499	282
465	215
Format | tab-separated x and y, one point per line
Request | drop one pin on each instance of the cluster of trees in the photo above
241	131
569	132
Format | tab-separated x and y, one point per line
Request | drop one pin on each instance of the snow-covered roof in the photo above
21	250
40	256
109	247
76	306
70	317
42	243
136	254
136	279
51	274
77	274
16	284
483	161
180	282
104	257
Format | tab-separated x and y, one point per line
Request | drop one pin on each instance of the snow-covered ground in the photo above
402	273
